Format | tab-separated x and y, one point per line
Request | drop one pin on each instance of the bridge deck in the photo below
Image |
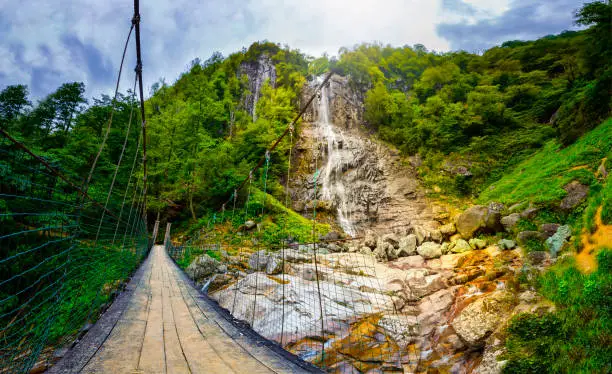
162	324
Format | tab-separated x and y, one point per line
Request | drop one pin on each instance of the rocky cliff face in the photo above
362	182
257	72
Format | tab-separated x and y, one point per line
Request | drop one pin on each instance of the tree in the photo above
68	101
13	101
598	50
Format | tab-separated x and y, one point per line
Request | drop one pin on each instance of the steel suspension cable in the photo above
125	141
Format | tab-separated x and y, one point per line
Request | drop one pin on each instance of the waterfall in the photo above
338	155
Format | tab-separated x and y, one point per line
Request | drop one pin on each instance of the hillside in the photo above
478	185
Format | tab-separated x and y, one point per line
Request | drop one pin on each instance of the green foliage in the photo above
204	142
576	337
488	111
540	179
13	101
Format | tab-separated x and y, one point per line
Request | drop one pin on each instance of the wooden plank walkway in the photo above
162	324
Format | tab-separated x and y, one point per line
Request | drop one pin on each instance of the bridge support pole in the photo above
167	236
155	231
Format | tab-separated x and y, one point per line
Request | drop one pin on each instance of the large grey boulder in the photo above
332	247
391	239
407	246
202	267
510	221
472	220
477	243
576	194
436	236
549	229
332	235
430	250
258	261
421	234
371	239
481	318
448	229
274	265
365	250
460	246
506	244
524	237
555	243
383	250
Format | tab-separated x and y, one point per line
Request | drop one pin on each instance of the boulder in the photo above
430	250
490	363
370	239
410	262
382	251
549	229
436	236
506	244
556	242
299	206
407	246
202	267
524	237
391	239
419	284
334	247
365	250
494	214
250	224
529	213
472	220
274	265
448	229
576	194
476	322
421	234
332	235
258	261
296	256
537	257
460	246
445	247
510	221
478	243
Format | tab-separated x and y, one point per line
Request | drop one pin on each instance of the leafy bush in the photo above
576	337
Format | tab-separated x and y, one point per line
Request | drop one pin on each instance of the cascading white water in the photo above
332	187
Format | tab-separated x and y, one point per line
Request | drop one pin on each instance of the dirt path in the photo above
166	326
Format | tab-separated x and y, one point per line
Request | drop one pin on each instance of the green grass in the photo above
540	178
576	338
275	223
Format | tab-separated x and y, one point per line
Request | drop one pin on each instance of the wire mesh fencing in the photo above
316	300
63	255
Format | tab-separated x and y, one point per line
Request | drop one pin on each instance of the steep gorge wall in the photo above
369	185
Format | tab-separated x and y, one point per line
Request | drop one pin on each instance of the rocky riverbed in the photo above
424	310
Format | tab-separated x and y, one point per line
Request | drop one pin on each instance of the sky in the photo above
44	43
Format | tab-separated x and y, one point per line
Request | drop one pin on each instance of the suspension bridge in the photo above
85	287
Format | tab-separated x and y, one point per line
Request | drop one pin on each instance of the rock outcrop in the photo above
366	184
257	72
481	318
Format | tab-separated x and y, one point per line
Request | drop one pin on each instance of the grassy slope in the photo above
540	178
575	338
276	223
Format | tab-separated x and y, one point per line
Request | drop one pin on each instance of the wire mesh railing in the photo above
63	257
329	309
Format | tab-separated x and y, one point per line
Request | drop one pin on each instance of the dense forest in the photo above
470	120
490	110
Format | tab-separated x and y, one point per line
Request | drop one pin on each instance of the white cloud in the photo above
63	40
